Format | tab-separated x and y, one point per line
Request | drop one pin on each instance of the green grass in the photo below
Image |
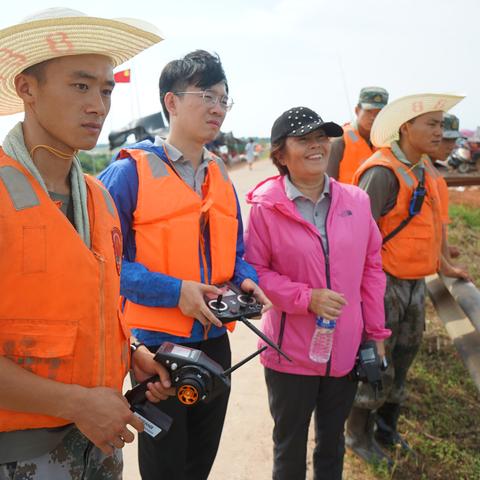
441	417
471	216
440	420
94	164
443	414
464	233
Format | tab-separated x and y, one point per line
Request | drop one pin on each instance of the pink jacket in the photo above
287	253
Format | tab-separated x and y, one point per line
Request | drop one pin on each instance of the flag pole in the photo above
137	100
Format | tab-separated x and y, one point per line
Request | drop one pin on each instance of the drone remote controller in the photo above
195	376
233	304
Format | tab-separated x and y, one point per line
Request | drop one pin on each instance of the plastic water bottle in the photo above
322	340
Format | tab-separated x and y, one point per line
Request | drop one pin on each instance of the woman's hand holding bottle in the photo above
326	303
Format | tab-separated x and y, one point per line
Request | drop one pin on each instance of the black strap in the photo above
406	221
400	227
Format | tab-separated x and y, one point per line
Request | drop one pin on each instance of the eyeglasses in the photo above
211	99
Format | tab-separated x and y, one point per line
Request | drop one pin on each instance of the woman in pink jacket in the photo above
316	249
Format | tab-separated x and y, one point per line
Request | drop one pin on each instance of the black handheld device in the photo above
368	366
155	422
195	376
233	304
417	199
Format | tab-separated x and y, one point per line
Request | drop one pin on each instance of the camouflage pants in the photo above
75	458
405	317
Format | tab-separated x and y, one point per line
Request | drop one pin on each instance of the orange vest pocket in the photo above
43	347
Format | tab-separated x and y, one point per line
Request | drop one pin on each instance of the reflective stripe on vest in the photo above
405	176
58	313
168	224
21	192
157	166
223	169
415	251
356	152
352	135
108	201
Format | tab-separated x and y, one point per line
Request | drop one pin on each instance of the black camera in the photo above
368	366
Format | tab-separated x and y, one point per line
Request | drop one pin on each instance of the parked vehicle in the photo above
461	158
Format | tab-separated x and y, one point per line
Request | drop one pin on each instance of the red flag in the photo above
122	77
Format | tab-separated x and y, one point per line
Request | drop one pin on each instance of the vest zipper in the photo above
203	255
203	258
101	343
326	254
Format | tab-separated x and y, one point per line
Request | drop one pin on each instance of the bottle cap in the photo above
321	322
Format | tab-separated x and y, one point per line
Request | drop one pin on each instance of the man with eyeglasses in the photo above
183	233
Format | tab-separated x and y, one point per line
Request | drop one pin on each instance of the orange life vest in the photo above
442	191
356	152
59	303
169	224
414	252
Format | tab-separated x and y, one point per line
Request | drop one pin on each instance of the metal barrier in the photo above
458	179
467	296
458	306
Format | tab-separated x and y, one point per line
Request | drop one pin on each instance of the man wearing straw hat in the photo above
63	347
349	151
405	201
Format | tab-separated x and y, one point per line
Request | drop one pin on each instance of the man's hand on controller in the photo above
249	286
192	302
144	366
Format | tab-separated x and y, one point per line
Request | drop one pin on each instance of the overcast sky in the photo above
279	54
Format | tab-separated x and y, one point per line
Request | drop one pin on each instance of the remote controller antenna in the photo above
228	371
254	329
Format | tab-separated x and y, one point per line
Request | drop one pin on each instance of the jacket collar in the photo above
271	194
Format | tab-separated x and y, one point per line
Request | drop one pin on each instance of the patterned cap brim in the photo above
331	129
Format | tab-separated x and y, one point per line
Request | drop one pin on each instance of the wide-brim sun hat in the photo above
386	127
58	32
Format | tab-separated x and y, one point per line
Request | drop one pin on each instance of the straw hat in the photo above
385	128
58	32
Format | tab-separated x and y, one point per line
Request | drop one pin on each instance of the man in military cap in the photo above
451	133
354	147
405	202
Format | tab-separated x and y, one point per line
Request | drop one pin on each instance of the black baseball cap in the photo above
299	121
